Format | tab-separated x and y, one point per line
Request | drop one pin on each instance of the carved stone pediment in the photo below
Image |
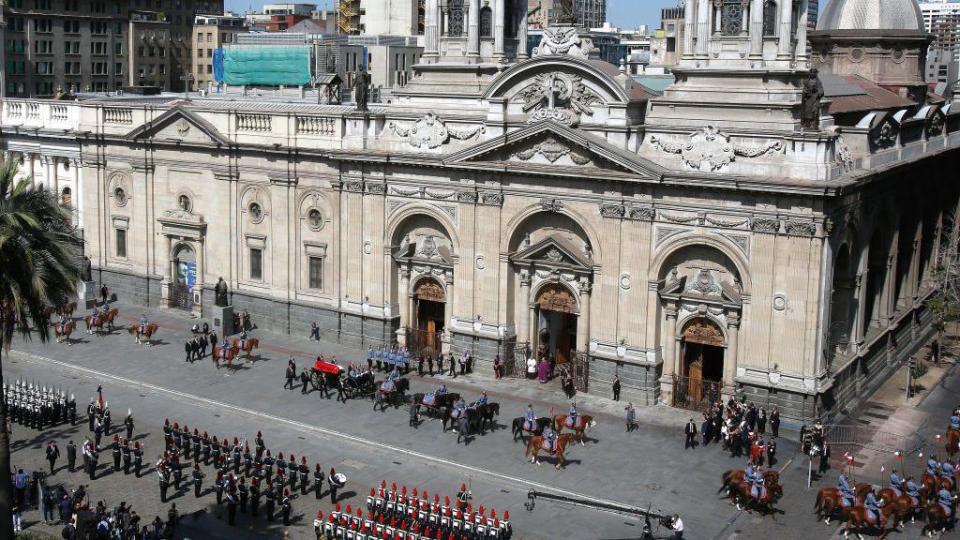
179	125
553	252
551	151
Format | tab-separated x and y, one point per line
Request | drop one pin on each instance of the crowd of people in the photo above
740	428
35	406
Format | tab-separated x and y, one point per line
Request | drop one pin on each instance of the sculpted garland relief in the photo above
552	150
709	149
430	132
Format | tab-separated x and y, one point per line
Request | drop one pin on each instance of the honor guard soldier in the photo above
225	452
195	439
128	424
72	410
71	455
117	454
237	454
286	507
137	458
177	471
304	472
242	493
94	461
292	469
205	441
174	432
254	496
247	459
218	486
317	481
271	498
164	483
91	413
258	442
215	448
183	440
197	480
281	478
281	468
127	456
231	509
268	466
107	418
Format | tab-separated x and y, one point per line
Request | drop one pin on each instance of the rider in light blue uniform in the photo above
955	422
945	499
243	339
441	390
933	468
759	489
549	436
896	483
394	375
224	348
946	470
572	415
143	323
529	418
872	504
846	491
482	400
913	490
750	474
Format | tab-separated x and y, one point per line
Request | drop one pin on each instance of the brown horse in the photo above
952	443
94	323
63	331
742	497
536	444
110	316
584	422
903	504
148	332
829	501
934	483
217	356
734	477
937	519
250	345
857	521
67	309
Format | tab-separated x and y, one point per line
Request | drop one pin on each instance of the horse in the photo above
488	413
857	520
742	495
538	425
584	422
249	345
934	483
390	397
444	401
952	444
47	312
937	519
110	316
734	477
535	445
469	413
217	355
94	323
829	501
149	331
67	309
63	331
902	503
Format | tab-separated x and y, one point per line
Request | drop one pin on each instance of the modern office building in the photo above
211	32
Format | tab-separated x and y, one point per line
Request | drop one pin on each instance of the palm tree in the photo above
39	266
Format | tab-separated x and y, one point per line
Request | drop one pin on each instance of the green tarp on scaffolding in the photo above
266	66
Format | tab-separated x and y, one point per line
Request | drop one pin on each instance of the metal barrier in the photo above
872	439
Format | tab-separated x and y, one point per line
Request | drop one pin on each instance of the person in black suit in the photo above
691	432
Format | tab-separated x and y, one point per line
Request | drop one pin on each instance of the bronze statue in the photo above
812	95
565	12
220	293
361	90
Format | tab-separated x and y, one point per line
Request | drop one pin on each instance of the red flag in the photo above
100	396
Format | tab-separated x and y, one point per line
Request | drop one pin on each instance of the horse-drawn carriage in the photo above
358	385
325	375
391	392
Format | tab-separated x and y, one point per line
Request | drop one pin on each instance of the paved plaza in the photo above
646	468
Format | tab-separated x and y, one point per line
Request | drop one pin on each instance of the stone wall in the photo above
129	287
638	382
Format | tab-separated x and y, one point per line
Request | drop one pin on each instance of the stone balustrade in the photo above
118	116
256	123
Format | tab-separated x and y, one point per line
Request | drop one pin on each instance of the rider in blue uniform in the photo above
933	468
224	348
872	504
955	422
913	490
529	418
846	491
460	407
394	375
143	323
946	470
549	437
759	489
441	390
945	499
243	339
572	415
482	400
896	483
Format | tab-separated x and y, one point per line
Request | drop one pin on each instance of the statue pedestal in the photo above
222	320
87	294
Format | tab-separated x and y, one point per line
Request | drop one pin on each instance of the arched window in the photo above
455	18
486	22
769	18
731	17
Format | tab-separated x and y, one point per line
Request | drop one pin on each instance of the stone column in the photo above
688	29
31	167
756	28
862	315
523	329
473	29
431	48
533	330
704	8
670	342
730	360
51	175
913	289
498	19
522	52
77	191
583	324
448	314
888	300
801	52
786	27
403	295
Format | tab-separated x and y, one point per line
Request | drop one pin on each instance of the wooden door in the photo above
695	378
430	339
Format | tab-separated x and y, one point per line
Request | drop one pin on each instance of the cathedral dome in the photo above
871	15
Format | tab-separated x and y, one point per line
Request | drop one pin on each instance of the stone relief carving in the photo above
709	149
642	213
666	232
404	192
450	211
467	196
800	228
678	218
431	132
554	255
885	135
934	127
727	224
843	153
353	186
765	225
612	210
561	40
705	283
551	205
552	150
440	195
557	96
376	188
492	198
741	242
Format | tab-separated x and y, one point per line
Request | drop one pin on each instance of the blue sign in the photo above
188	273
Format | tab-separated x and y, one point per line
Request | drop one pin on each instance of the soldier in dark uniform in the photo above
164	483
94	461
195	439
247	459
116	452
236	454
107	419
137	458
281	468
317	481
127	456
128	424
71	455
72	410
183	441
268	467
231	508
205	441
260	446
271	498
292	470
218	485
286	507
304	471
254	496
242	493
197	480
97	431
215	449
177	470
91	413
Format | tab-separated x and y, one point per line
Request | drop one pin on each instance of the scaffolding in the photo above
348	16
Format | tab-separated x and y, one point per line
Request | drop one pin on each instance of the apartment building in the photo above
942	19
589	13
210	32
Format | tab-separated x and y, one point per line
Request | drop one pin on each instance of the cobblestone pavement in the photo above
645	468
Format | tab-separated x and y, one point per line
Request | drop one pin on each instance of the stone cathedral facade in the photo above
715	240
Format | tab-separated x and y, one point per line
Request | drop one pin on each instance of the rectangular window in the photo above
316	273
256	264
121	243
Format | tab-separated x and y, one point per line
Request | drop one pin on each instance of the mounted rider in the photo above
933	468
459	408
572	415
549	438
243	339
529	418
872	504
896	483
947	470
913	490
945	500
955	421
759	488
846	491
482	400
224	348
143	323
64	320
750	474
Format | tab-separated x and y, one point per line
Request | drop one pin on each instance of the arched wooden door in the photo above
702	345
